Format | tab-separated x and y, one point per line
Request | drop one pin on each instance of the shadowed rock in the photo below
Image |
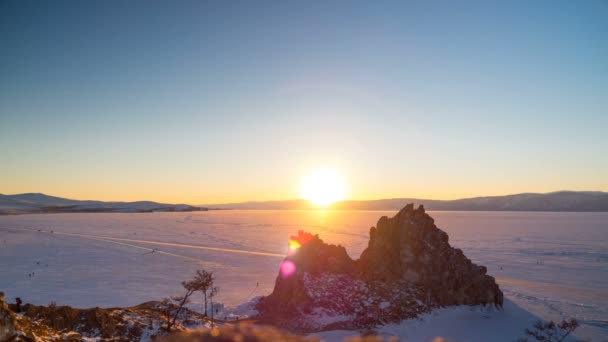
408	268
312	256
410	247
7	321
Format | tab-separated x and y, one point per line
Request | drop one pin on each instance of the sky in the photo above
225	101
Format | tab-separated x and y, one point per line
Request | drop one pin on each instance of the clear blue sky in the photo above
216	101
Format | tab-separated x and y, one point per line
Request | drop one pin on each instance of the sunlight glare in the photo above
323	187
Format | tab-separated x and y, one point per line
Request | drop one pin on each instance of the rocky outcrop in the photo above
8	331
408	268
144	322
308	255
409	246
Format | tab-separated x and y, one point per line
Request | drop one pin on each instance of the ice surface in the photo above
550	265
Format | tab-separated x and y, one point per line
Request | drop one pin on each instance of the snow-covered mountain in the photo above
41	203
553	201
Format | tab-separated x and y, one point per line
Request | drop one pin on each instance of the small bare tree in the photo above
202	281
551	331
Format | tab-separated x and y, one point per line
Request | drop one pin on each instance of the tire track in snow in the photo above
158	251
170	244
131	245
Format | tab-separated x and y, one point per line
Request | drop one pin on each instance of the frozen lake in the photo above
552	265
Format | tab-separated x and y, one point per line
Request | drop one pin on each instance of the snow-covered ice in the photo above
550	265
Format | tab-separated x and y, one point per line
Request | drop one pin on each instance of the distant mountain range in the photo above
594	201
553	201
41	203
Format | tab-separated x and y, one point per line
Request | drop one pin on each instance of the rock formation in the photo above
408	268
409	246
307	255
8	331
52	323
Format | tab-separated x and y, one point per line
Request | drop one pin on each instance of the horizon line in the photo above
303	199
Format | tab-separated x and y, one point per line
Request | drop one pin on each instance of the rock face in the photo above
307	255
8	330
408	268
410	247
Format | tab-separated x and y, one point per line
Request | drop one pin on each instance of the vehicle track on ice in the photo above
169	244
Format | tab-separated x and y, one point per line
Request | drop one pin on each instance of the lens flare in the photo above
287	268
293	245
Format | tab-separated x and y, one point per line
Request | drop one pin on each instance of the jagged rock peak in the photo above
406	254
311	255
409	246
308	254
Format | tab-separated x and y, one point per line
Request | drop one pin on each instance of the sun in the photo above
323	187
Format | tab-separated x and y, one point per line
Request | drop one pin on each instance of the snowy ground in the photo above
550	265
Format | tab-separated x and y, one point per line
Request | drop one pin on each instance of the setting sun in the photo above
323	187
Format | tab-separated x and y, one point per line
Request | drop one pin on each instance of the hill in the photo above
592	201
574	201
41	203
